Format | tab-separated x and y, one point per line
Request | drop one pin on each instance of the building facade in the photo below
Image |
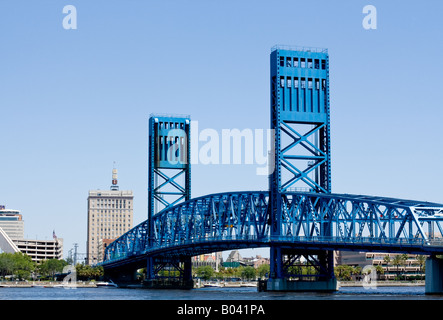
110	214
213	260
40	250
411	267
12	223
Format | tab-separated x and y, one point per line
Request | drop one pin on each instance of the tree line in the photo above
19	266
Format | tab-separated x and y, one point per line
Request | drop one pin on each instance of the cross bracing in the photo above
309	220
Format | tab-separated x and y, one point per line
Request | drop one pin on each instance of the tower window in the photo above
282	61
323	64
288	61
317	64
282	82
303	62
303	83
289	82
310	63
295	82
296	63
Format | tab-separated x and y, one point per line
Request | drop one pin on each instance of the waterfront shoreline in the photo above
382	283
81	284
46	284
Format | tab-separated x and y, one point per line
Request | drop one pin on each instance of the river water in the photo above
210	293
218	303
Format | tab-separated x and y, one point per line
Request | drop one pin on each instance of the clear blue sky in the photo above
74	101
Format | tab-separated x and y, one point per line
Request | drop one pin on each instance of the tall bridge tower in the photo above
169	182
300	119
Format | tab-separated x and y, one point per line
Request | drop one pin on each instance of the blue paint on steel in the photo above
169	175
240	220
300	120
298	215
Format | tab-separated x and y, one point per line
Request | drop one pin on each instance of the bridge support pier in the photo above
123	276
301	270
434	275
169	273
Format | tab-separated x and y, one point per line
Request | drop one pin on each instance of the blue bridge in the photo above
312	223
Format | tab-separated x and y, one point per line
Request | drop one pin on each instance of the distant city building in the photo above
235	260
256	261
12	238
212	259
412	267
12	223
40	250
110	214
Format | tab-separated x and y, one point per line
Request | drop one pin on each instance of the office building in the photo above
110	214
12	223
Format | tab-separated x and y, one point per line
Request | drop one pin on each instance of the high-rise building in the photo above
12	223
110	214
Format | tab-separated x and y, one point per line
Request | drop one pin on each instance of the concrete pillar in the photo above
434	275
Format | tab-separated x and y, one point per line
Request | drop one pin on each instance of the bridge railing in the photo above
233	220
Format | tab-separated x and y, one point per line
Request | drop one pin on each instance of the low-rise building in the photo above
41	249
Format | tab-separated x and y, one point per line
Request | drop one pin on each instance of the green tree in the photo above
6	264
421	259
23	265
397	261
51	267
248	273
205	272
263	270
87	272
343	272
379	270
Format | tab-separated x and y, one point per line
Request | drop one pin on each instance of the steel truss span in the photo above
231	220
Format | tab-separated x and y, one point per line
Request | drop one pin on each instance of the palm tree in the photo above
379	270
397	261
421	259
387	260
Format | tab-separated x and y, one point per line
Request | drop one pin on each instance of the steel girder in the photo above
309	221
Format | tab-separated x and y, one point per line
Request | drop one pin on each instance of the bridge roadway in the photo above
237	220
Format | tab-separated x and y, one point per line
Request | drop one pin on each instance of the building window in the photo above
295	82
288	61
296	63
303	63
310	63
282	61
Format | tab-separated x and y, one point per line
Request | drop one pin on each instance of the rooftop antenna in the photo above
114	186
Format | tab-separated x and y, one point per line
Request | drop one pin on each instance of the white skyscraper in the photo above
110	214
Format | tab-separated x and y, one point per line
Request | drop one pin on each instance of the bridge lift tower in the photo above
169	179
300	118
